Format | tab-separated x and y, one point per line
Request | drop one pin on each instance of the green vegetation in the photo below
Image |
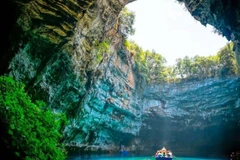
227	60
127	19
150	66
29	129
101	48
197	68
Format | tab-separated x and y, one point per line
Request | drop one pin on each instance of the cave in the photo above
70	54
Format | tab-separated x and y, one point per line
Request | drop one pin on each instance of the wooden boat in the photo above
163	154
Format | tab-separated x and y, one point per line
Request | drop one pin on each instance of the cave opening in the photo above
169	29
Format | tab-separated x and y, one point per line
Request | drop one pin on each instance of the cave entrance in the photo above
169	29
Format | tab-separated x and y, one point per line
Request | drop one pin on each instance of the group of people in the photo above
235	155
163	153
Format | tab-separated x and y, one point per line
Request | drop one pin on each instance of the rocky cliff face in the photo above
204	117
55	47
109	111
69	54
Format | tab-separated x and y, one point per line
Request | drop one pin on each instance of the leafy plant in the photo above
101	48
200	67
127	19
150	67
227	60
29	130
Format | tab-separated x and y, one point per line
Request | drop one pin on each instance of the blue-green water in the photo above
136	158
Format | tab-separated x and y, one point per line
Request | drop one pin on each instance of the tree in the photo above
155	64
179	69
127	19
227	60
197	68
29	130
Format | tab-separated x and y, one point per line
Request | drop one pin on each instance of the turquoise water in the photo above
136	158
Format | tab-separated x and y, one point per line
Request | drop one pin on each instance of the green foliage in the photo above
30	131
101	48
155	64
149	65
127	19
227	60
199	67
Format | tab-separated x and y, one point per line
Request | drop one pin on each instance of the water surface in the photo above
134	158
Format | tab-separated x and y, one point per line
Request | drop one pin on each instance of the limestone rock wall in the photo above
201	101
56	55
197	115
109	112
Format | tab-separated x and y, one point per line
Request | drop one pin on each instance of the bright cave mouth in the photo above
203	130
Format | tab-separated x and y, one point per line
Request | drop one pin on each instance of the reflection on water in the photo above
100	157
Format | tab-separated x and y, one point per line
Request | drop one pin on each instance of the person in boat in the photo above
164	154
158	154
169	154
233	156
238	155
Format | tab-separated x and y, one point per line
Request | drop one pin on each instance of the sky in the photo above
169	29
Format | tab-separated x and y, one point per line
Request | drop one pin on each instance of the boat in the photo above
163	154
